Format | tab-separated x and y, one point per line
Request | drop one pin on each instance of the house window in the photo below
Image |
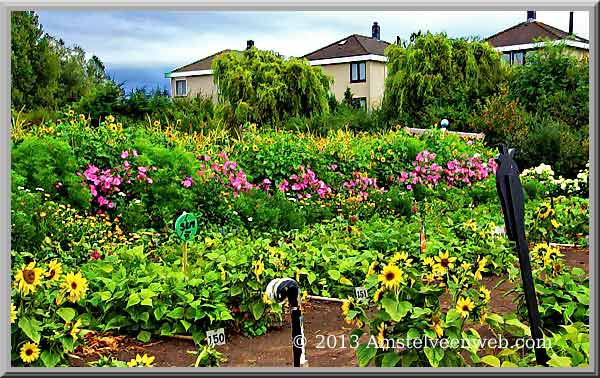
518	57
358	72
359	103
506	57
180	87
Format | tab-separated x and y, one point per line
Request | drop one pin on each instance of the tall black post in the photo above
280	289
510	192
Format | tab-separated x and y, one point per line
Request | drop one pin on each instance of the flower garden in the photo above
415	220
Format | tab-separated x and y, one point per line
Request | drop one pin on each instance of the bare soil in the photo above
323	323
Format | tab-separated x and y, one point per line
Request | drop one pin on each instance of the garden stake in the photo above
186	227
510	193
278	290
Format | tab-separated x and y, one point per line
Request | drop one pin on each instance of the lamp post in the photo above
444	123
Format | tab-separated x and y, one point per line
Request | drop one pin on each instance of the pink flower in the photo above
135	153
124	154
95	255
187	182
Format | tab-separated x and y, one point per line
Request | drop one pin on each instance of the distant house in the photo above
356	62
519	40
196	78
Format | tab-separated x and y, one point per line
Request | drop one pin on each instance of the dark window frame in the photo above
356	102
358	64
186	88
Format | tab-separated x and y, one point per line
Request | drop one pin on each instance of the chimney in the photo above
249	44
570	22
375	31
530	16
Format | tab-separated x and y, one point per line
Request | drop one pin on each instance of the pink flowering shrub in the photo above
360	185
463	172
305	184
226	172
106	184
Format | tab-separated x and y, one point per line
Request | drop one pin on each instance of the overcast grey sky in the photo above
139	46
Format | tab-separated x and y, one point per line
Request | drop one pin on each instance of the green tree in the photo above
434	72
262	87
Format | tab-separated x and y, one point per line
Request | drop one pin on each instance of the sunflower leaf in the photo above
31	328
67	314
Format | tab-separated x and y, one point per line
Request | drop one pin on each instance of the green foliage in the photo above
434	71
263	87
554	83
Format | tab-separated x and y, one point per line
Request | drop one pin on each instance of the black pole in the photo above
280	289
510	192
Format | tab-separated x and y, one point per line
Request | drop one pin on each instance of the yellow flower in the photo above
471	224
381	336
223	274
75	330
266	299
372	268
391	276
436	326
28	278
110	118
444	261
141	361
480	267
54	271
71	112
29	352
13	313
464	306
377	295
76	286
545	210
259	268
429	261
555	223
156	123
345	307
487	295
483	317
82	117
245	148
401	257
466	266
382	159
254	148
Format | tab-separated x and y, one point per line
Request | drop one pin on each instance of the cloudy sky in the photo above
138	47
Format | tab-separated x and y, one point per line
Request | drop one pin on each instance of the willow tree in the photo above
434	73
263	87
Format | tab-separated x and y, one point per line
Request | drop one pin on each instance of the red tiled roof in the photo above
352	45
529	32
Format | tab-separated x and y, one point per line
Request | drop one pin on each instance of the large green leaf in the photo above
365	354
390	359
67	314
257	308
144	336
397	310
31	327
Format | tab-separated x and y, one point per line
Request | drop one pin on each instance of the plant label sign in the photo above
361	293
186	226
215	337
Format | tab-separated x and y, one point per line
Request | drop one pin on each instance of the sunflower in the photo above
471	224
464	306
254	148
75	285
429	261
480	267
381	337
372	268
540	251
29	352
75	330
141	361
436	326
156	123
487	295
345	307
28	278
544	211
555	223
82	117
466	266
259	268
13	313
401	257
382	159
71	112
110	118
377	295
444	261
245	148
391	276
54	271
483	316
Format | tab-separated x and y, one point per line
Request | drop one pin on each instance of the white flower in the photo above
39	189
235	212
20	187
137	201
122	194
249	219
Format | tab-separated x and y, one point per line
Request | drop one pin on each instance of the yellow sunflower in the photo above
71	112
29	352
391	276
471	224
141	361
75	330
377	295
555	223
13	313
372	268
259	268
465	306
429	261
481	263
381	336
254	148
436	326
545	211
487	295
28	278
345	307
75	285
444	262
156	123
54	271
245	148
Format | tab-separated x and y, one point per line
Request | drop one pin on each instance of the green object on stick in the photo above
186	226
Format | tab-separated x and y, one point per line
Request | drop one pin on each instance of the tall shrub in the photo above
433	72
265	88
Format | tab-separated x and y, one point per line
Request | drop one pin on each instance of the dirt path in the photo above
321	320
